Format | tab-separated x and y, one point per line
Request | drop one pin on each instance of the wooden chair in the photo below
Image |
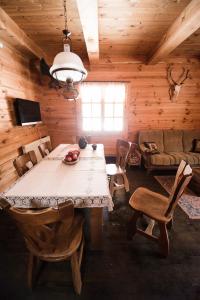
51	235
45	148
117	171
159	208
24	162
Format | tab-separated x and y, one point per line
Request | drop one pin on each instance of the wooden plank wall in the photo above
148	103
16	80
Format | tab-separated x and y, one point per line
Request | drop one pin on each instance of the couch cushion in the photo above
194	158
173	140
155	136
189	157
162	159
188	137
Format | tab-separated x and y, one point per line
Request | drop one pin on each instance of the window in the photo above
102	106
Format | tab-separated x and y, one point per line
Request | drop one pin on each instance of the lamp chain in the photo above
65	14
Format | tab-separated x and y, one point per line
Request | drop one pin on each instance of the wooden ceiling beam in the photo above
185	25
11	32
88	13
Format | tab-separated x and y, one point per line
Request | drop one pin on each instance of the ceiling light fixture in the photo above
67	66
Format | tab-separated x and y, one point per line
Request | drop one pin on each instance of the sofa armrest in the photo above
146	154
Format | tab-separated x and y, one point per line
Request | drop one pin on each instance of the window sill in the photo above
99	133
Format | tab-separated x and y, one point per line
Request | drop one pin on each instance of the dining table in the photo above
51	182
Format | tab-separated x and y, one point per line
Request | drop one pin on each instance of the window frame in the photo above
122	133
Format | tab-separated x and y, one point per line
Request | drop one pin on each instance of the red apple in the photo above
76	152
68	158
75	156
70	153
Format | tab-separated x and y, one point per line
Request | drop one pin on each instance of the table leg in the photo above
96	228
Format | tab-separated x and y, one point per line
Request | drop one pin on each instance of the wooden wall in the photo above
16	80
148	103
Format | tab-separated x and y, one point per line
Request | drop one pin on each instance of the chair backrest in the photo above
183	177
24	162
47	230
123	148
45	148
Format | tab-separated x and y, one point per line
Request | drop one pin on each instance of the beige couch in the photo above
173	145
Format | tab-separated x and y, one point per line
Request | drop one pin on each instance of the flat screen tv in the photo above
27	112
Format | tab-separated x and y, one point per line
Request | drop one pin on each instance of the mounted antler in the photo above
184	76
175	86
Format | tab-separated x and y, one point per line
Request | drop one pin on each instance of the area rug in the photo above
189	202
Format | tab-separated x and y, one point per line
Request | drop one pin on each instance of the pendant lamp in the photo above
67	66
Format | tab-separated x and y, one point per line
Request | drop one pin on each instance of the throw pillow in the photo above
152	147
196	146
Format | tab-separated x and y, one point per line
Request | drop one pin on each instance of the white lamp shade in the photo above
68	65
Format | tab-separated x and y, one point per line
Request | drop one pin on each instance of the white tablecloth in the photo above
51	182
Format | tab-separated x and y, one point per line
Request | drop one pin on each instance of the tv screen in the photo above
27	112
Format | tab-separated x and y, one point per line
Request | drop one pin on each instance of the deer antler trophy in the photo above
175	86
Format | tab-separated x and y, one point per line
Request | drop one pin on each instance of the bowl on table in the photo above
72	157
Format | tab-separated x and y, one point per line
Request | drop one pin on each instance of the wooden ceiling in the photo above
129	30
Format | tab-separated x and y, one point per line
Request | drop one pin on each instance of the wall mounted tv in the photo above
27	112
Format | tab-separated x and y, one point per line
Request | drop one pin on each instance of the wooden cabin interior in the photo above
139	98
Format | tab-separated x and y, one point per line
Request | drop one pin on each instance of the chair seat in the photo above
62	248
113	169
150	203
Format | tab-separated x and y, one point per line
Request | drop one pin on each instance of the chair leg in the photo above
76	275
150	227
126	183
39	266
30	271
170	224
81	252
163	239
111	185
132	225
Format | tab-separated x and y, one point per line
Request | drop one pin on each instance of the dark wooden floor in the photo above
123	270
